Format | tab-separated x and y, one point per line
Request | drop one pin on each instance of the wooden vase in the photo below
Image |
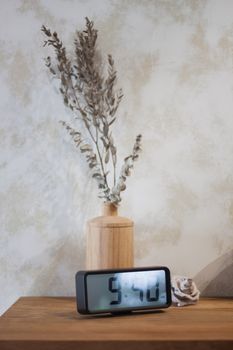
109	241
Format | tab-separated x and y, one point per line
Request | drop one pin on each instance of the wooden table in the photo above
52	323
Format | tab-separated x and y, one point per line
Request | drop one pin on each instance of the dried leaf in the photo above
106	159
96	175
105	130
106	145
113	150
85	148
112	121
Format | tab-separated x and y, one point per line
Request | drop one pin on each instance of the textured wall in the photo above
175	65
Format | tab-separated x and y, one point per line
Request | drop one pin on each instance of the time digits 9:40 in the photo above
114	286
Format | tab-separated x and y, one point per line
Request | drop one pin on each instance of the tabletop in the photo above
52	323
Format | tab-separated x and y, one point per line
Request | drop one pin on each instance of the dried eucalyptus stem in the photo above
93	99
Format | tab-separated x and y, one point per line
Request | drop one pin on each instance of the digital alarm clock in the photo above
123	290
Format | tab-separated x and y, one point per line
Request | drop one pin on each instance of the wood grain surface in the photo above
110	241
53	323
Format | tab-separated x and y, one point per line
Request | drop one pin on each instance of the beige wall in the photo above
175	65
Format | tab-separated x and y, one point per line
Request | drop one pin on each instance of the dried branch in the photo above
94	100
115	196
91	157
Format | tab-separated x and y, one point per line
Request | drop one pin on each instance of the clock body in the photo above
123	290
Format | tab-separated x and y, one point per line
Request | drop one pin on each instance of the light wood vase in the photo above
109	241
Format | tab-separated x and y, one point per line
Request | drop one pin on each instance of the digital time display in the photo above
123	290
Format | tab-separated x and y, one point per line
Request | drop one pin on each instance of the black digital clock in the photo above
123	290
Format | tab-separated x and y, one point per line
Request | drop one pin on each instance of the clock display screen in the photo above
124	290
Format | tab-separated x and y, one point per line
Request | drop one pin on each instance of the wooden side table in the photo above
52	323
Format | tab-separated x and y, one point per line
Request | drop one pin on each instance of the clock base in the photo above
121	313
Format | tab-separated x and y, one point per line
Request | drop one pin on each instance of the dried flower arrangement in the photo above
94	100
